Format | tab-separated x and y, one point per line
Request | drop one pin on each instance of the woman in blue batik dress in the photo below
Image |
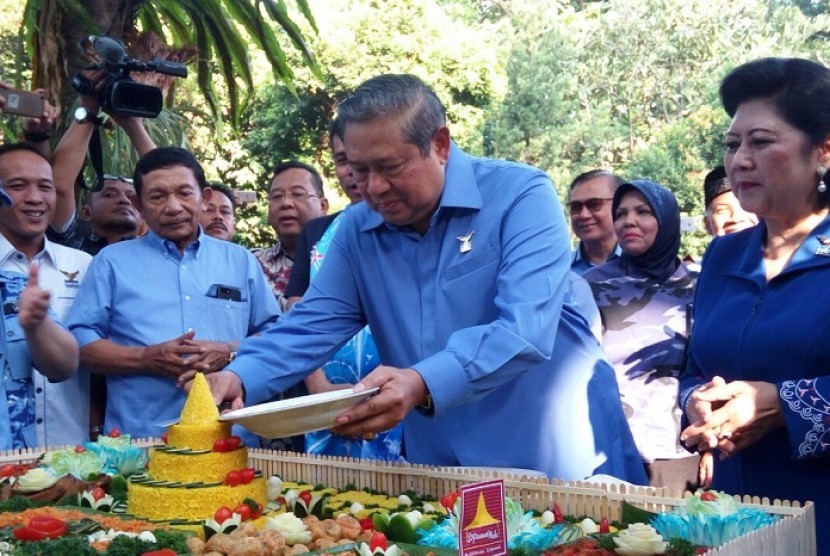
642	298
357	358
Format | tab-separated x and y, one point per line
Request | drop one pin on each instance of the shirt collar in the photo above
169	248
7	250
460	189
579	253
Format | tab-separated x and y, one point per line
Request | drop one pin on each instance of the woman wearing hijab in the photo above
643	298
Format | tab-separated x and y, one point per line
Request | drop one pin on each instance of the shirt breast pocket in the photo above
475	267
228	316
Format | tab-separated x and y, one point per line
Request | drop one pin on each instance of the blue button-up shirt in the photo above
142	292
580	263
516	376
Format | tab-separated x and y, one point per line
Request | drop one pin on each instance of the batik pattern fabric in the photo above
19	421
357	358
276	265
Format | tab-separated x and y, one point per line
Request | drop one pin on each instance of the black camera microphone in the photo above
109	49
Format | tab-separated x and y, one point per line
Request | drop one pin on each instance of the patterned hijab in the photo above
660	260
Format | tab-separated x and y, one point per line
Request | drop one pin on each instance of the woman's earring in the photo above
821	171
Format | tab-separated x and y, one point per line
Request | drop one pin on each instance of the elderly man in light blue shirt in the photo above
459	266
153	311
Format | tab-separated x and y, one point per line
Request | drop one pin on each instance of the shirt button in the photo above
9	333
38	390
187	298
39	421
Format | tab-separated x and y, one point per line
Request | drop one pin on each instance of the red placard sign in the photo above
482	530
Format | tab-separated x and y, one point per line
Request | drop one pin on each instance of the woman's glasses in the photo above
594	204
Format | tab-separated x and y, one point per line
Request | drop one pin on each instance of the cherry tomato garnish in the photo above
708	496
378	540
244	510
247	475
305	496
222	514
114	433
164	437
603	526
233	478
234	442
98	493
79	449
221	445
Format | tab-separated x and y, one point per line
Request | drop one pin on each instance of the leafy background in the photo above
568	86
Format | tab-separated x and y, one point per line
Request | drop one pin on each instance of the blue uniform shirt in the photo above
142	292
516	376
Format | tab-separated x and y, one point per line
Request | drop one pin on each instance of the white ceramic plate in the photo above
296	415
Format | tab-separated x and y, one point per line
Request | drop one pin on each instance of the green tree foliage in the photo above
632	85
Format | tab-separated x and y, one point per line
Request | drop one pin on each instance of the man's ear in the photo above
441	144
85	213
324	205
207	195
136	202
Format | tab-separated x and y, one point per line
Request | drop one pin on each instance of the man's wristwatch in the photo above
84	116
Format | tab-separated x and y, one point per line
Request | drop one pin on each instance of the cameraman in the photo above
108	214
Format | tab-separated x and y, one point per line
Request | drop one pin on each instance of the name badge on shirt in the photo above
824	247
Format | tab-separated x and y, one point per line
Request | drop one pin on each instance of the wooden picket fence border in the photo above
793	535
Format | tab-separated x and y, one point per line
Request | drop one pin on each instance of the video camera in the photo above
120	95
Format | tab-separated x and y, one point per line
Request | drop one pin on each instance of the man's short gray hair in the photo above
400	95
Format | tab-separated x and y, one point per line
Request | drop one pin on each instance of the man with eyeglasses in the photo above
294	197
591	219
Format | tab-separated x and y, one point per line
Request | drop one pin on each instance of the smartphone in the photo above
244	196
22	103
220	291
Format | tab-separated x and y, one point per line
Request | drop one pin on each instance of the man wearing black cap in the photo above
724	214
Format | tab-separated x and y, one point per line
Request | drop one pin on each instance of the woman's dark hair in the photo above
166	157
799	89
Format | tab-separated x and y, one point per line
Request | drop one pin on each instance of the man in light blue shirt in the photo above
153	311
459	266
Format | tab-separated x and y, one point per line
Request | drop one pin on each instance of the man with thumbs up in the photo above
38	280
